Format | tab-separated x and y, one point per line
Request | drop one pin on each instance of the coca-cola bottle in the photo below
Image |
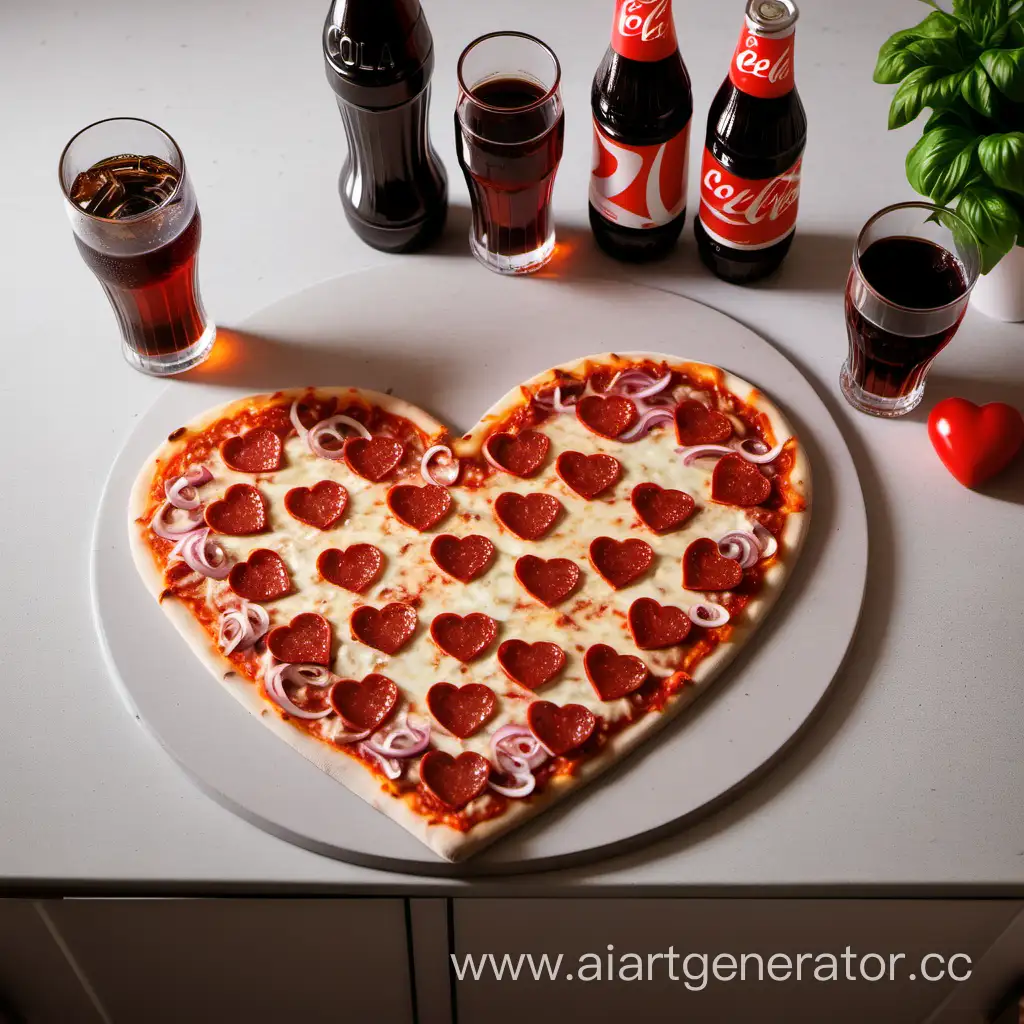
380	56
757	129
642	105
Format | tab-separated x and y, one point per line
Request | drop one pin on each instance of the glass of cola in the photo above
509	133
137	226
914	266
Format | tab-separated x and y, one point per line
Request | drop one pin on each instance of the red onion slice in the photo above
708	615
192	522
298	675
741	546
766	539
181	494
561	406
761	457
642	427
443	475
520	747
490	458
391	767
330	429
241	627
703	451
198	475
293	415
402	741
522	786
204	555
652	389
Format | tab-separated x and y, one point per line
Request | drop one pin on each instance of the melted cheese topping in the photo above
595	614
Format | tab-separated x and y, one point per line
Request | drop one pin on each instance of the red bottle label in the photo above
644	30
745	214
639	186
763	65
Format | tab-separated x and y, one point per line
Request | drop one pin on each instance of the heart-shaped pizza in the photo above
465	630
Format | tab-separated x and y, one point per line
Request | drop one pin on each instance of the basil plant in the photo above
967	67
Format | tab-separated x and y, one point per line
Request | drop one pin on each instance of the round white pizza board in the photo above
452	339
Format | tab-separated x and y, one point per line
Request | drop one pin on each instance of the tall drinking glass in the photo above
137	226
509	132
914	266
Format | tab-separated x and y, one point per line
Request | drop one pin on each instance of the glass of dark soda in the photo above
137	226
914	266
509	132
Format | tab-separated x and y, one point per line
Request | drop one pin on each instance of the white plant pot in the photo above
1000	293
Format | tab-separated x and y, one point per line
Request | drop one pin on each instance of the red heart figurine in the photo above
975	442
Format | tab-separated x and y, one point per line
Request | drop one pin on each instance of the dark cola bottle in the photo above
380	57
757	129
642	104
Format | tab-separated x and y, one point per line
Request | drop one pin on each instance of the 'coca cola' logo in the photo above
745	214
639	187
763	65
644	30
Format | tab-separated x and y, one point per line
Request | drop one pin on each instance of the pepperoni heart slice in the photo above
320	506
528	516
257	451
365	705
697	424
621	562
263	576
531	665
613	675
454	780
521	454
661	509
242	511
561	729
608	417
463	558
464	638
353	568
588	475
373	458
306	641
706	568
738	482
420	507
461	710
656	625
388	629
549	580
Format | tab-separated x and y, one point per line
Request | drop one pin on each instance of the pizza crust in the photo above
448	843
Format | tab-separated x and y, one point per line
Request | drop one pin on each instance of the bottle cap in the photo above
769	17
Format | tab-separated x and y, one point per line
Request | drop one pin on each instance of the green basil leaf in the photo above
1002	159
894	67
926	87
893	62
956	115
940	164
1006	69
938	25
977	89
942	53
993	219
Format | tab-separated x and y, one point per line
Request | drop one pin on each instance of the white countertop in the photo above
914	770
